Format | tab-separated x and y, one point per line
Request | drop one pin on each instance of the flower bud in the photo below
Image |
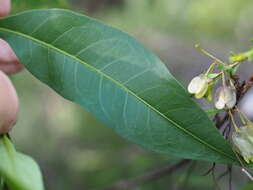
243	141
8	104
225	97
199	86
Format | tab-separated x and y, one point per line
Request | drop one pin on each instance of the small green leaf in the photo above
237	58
248	55
224	67
19	171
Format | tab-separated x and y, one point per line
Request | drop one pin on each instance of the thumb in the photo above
9	104
9	62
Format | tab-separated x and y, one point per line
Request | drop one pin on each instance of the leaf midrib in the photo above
117	83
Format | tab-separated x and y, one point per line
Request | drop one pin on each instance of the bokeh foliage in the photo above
219	20
38	4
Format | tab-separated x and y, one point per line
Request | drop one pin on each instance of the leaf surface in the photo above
113	76
19	171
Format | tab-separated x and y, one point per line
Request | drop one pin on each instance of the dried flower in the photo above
199	85
243	141
8	104
225	97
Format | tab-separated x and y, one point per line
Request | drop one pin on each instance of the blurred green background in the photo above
74	150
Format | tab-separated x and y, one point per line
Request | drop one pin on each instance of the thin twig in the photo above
216	185
230	177
229	130
188	174
247	173
219	123
210	170
147	178
245	87
225	173
227	126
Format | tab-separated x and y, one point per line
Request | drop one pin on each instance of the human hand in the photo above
9	104
9	62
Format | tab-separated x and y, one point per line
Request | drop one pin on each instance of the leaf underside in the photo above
113	76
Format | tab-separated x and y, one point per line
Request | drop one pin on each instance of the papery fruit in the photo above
199	86
243	141
225	97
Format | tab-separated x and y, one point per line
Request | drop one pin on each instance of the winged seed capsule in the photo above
8	104
243	141
199	86
225	97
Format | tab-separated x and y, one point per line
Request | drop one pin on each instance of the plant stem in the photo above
147	178
247	173
188	174
211	68
233	120
235	64
243	117
197	46
223	79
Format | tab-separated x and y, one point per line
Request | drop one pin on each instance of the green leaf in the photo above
113	76
19	171
237	58
248	55
224	67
